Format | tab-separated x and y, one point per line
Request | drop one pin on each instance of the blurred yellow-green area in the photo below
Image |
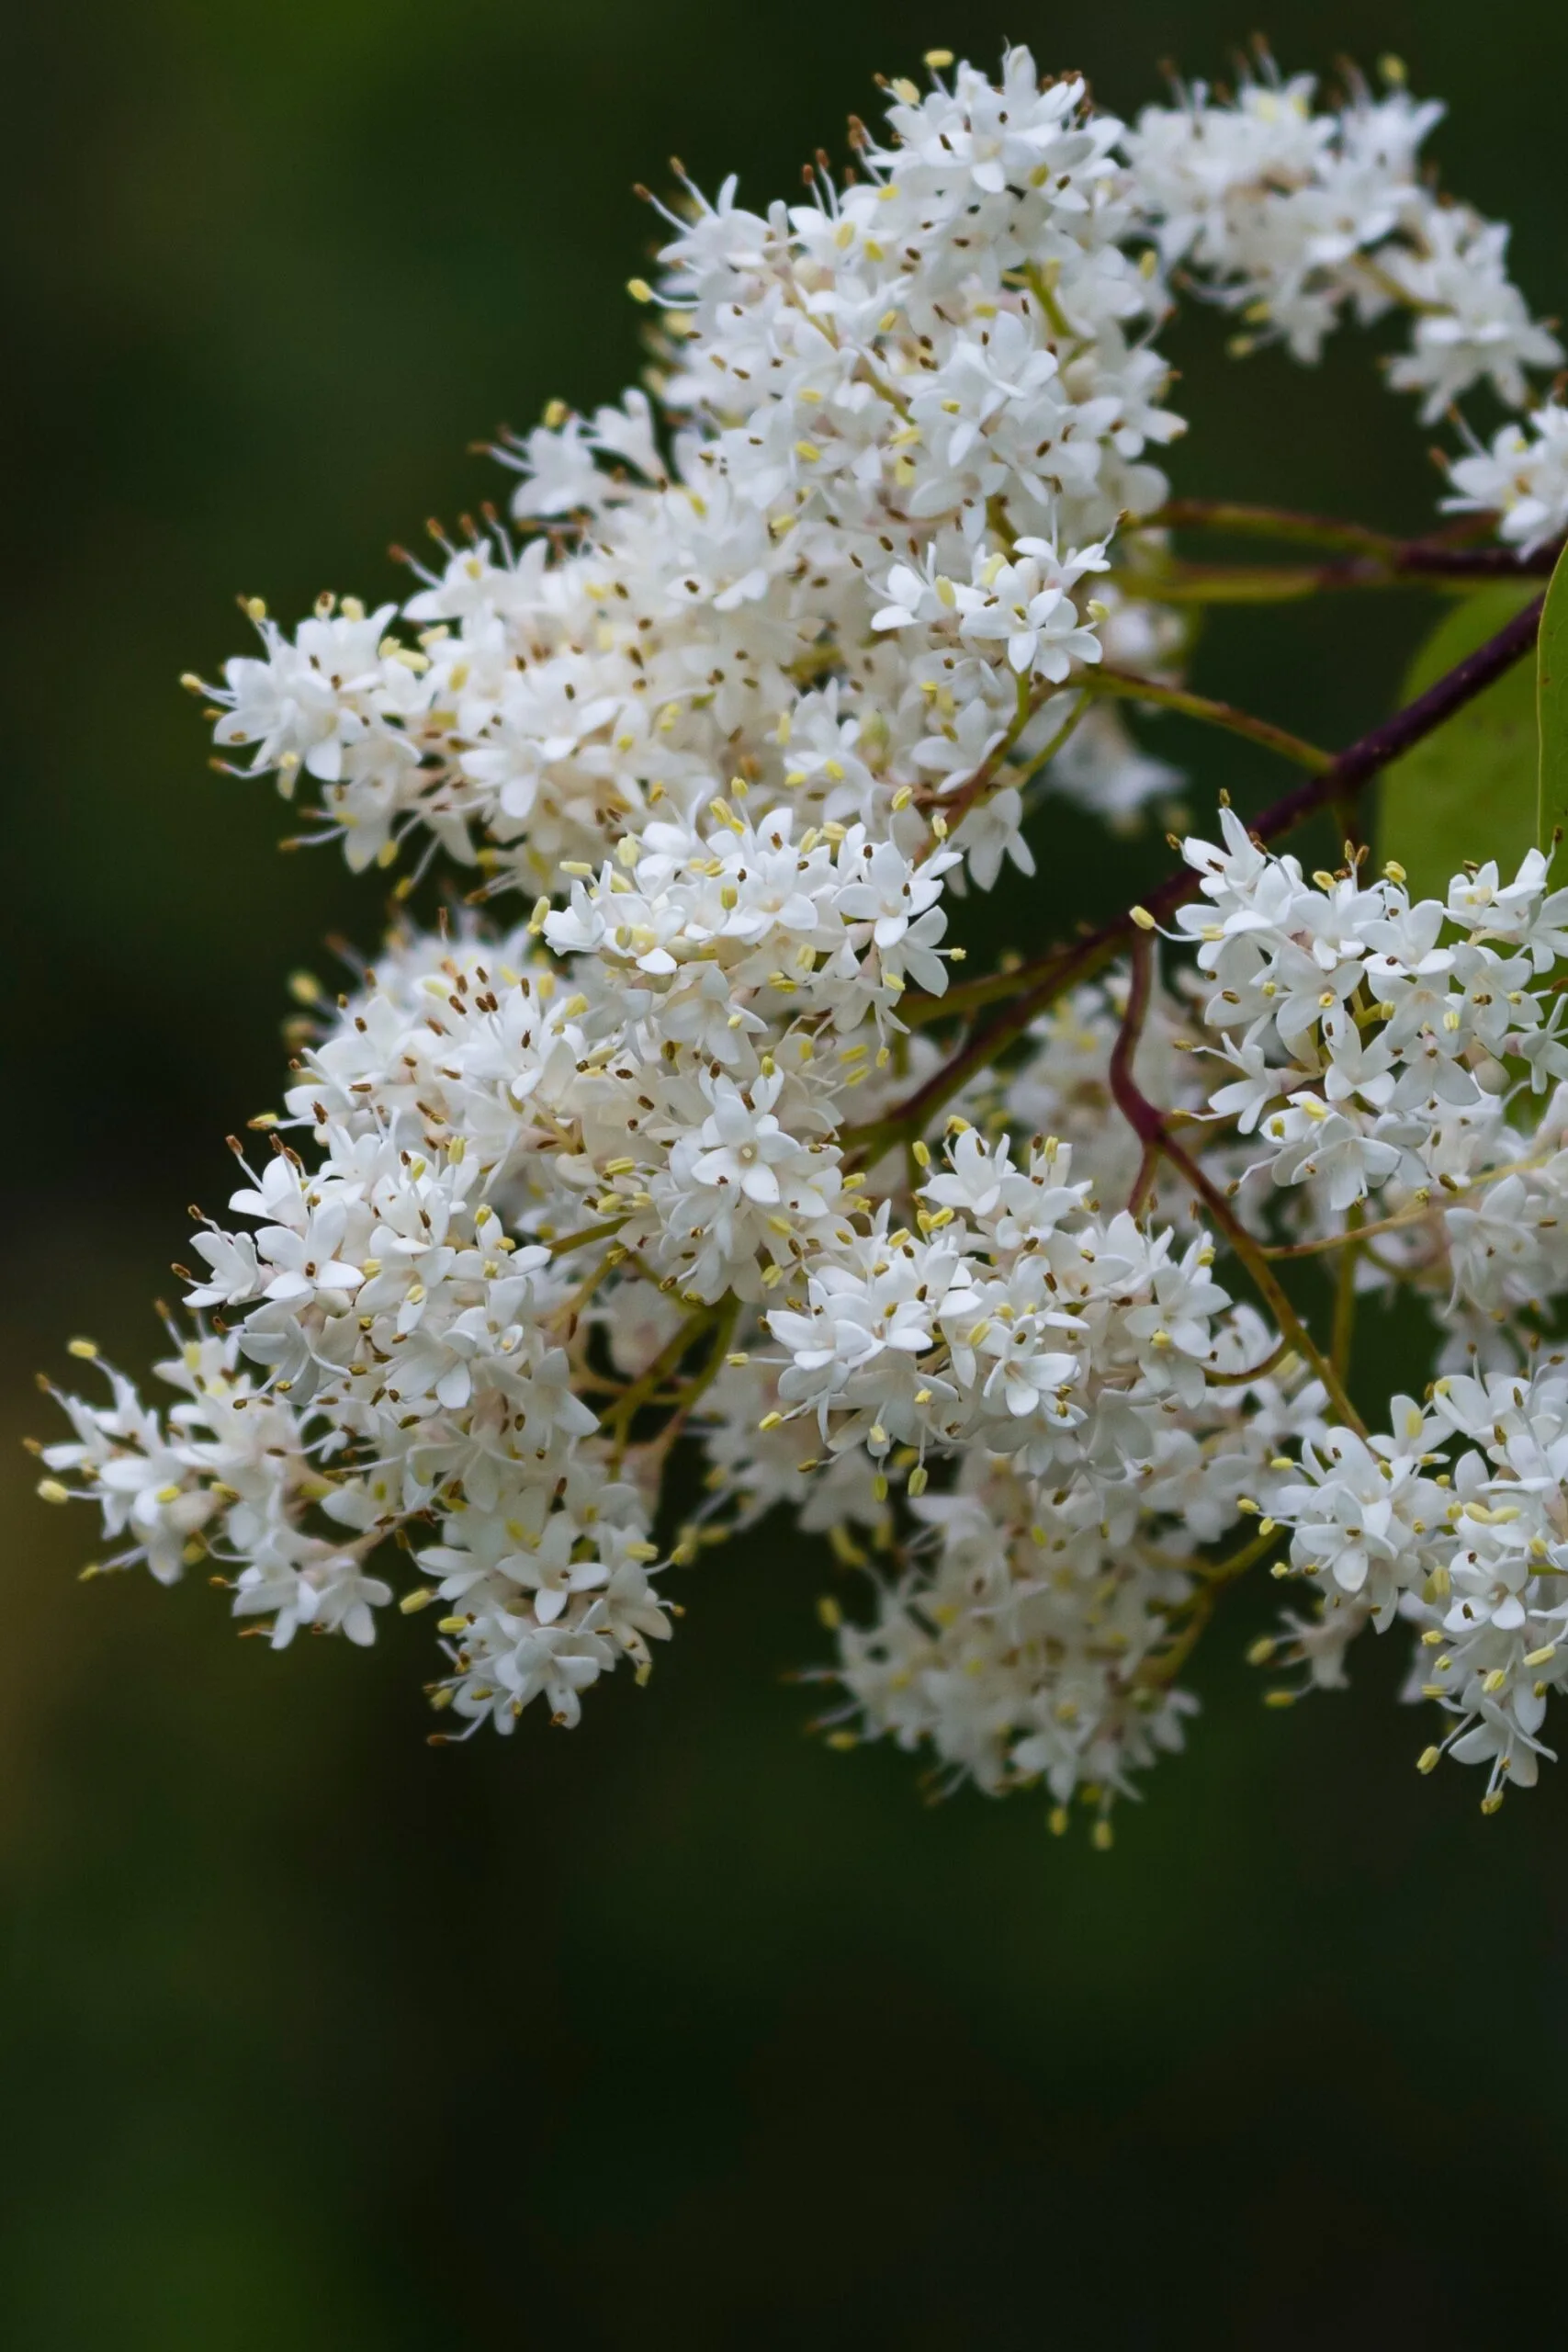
682	2030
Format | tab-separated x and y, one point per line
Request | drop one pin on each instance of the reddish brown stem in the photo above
1422	559
1148	1123
1128	1036
1033	986
1367	557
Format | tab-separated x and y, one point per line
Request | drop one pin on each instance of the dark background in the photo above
682	2030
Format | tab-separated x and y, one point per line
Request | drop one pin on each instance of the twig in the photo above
1287	523
1417	565
1344	1327
1033	986
1376	558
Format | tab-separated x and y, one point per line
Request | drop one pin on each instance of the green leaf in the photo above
1471	788
1551	707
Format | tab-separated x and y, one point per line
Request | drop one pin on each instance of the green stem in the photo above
1226	1571
724	1331
580	1239
953	812
1044	293
646	1387
1344	1329
1156	1672
1129	687
1239	520
1058	741
1423	1210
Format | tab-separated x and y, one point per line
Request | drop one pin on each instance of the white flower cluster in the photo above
770	671
1295	217
1390	1049
1029	1637
1405	1046
902	417
1471	1550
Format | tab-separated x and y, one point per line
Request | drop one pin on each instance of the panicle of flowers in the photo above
768	665
1296	217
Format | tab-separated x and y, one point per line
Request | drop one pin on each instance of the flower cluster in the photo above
1406	1059
705	1148
1295	217
1467	1548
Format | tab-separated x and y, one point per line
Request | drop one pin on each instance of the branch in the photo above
1435	552
1241	521
1397	564
992	774
1423	1207
1361	761
1033	986
950	814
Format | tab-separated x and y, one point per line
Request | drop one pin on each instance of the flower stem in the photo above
1035	985
1148	1124
1240	520
1344	1329
1130	687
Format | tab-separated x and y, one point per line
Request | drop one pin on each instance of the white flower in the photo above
742	1144
1523	478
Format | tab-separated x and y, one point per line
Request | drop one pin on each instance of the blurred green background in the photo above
682	2030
